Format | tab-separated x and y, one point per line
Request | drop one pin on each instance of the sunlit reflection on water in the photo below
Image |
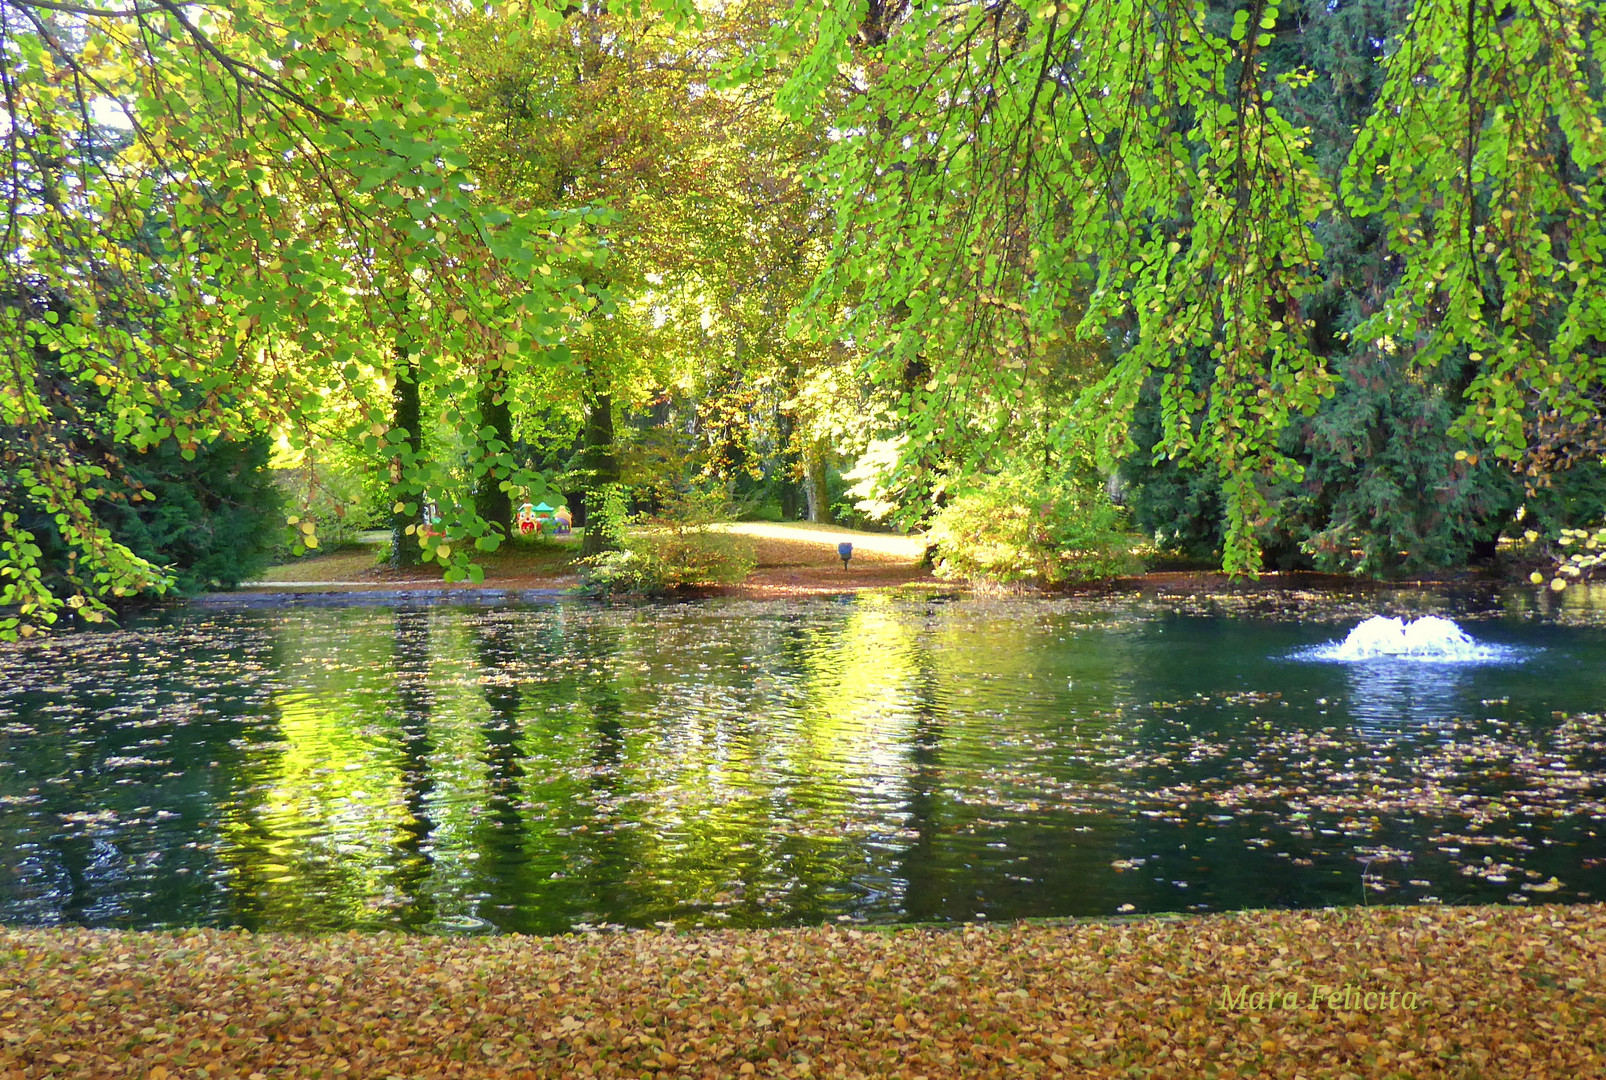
1390	697
737	764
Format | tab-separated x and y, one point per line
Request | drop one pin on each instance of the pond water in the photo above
564	765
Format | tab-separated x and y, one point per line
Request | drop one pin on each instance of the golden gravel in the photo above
1499	992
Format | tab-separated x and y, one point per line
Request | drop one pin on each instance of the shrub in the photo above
334	499
608	515
207	520
212	516
1015	528
675	549
201	512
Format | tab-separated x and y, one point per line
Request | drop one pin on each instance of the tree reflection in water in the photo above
739	764
414	690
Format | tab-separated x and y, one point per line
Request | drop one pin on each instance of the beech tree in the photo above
999	166
398	227
288	226
628	115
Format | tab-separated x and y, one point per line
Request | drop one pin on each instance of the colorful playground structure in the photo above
543	520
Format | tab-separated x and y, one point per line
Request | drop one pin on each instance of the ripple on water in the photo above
734	764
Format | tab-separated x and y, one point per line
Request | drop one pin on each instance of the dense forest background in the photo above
1309	285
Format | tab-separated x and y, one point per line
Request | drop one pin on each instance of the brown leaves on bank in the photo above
1410	992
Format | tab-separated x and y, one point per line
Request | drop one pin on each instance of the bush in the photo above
207	521
335	500
1014	528
676	549
608	515
202	512
212	516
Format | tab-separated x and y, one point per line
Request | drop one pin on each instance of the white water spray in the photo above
1429	639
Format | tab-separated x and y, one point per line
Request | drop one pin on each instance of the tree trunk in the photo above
789	505
490	501
599	468
404	549
814	488
784	426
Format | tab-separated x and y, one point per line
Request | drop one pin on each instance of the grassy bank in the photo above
1454	992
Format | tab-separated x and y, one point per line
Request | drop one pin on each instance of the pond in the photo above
558	765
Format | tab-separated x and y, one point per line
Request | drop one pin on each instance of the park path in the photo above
791	559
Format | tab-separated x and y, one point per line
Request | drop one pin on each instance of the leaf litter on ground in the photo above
1493	992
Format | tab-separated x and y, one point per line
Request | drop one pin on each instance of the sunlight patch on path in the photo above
912	547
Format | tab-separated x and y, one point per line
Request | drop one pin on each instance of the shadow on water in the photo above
501	831
414	863
925	889
538	769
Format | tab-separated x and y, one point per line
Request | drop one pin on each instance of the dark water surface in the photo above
733	763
